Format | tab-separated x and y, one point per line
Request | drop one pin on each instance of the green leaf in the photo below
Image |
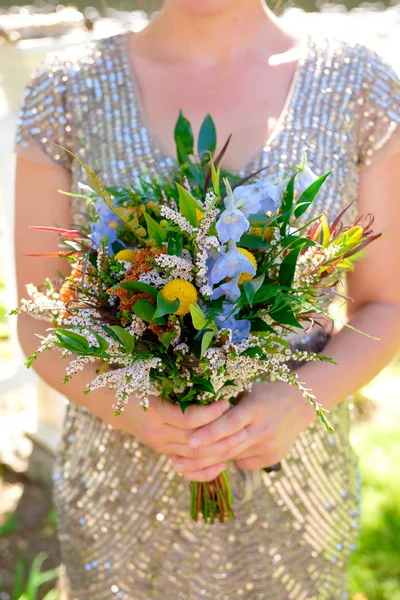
281	300
167	338
183	135
207	141
260	220
110	332
175	244
144	309
123	337
202	383
252	286
103	344
199	319
287	202
186	401
288	267
293	241
142	356
188	205
155	231
309	195
167	386
260	326
249	240
117	246
285	316
71	346
254	351
138	286
165	307
266	293
168	359
72	336
206	341
216	179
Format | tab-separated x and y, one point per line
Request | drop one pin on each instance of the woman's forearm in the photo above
51	368
358	357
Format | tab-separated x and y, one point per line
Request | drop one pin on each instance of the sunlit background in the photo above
31	414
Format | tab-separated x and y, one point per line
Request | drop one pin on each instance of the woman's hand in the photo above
163	426
258	432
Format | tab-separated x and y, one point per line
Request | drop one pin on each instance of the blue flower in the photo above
211	258
240	327
99	231
271	194
232	223
230	289
105	213
106	226
262	196
230	264
247	198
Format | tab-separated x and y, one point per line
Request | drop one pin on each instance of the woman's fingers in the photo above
184	464
229	423
206	474
225	449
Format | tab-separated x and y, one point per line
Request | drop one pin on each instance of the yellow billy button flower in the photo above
182	290
127	255
246	276
268	233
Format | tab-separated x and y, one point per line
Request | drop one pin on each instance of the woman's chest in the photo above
246	100
113	139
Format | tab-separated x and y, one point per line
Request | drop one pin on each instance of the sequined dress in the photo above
123	512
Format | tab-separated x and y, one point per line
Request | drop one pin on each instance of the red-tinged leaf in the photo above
314	231
339	218
55	254
329	269
363	245
64	232
216	163
332	284
249	177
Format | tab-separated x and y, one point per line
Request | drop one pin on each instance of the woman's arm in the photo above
38	202
273	415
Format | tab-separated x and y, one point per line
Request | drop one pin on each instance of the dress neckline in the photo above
258	159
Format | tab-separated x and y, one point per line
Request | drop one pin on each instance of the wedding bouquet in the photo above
187	289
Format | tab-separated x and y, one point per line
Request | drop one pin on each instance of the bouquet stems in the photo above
212	499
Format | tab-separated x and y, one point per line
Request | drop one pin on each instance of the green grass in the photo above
10	524
375	567
29	589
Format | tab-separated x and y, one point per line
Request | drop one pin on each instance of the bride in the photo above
120	484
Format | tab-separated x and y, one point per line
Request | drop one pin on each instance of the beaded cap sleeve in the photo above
44	118
379	132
